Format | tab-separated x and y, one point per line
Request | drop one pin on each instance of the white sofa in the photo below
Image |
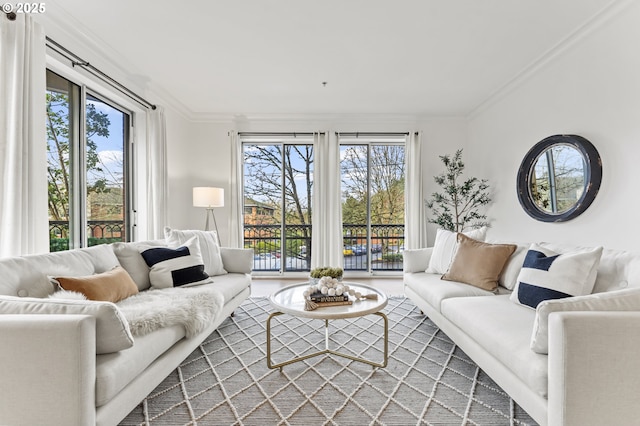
591	375
50	372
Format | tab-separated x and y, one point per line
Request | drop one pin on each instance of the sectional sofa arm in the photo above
47	369
416	260
594	368
237	260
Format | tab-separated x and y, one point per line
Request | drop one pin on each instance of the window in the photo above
88	167
278	184
372	173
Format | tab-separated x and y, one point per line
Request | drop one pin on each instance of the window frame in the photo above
371	140
282	140
78	215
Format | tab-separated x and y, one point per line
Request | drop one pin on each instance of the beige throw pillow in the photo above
478	263
111	286
444	248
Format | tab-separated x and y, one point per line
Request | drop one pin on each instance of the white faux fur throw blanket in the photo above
192	307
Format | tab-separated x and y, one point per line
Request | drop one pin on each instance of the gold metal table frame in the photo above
375	310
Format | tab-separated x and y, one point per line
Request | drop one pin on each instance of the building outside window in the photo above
88	166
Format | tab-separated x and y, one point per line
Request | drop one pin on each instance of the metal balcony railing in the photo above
98	232
384	253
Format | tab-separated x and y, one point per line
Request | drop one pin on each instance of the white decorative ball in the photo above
339	290
352	292
306	293
332	292
324	290
346	288
358	295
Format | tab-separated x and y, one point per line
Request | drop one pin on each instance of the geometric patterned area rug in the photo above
428	379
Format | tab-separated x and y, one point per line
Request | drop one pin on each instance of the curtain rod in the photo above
78	61
294	134
372	134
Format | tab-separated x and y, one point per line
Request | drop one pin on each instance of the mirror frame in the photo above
592	178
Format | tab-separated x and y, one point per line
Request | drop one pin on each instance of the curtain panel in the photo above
24	226
157	173
415	227
236	221
326	214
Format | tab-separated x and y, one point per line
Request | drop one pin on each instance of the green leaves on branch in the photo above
456	208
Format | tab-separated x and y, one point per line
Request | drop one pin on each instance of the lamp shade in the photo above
205	196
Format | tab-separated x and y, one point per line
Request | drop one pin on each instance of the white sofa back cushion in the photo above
25	276
112	329
622	300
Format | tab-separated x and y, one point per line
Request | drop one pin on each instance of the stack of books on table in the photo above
325	300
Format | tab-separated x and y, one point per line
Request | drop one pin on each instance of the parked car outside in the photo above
359	250
347	251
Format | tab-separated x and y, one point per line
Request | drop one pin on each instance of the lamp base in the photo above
206	224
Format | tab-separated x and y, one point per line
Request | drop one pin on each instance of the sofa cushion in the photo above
25	276
434	290
477	263
129	256
110	286
621	300
444	248
116	370
231	285
546	275
176	267
112	329
503	329
209	247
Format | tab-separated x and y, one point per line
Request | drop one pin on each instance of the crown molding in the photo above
603	16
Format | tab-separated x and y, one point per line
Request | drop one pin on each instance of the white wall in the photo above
591	89
200	153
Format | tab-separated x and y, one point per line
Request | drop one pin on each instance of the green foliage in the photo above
456	208
62	244
59	152
326	271
392	257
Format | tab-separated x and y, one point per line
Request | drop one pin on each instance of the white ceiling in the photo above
420	57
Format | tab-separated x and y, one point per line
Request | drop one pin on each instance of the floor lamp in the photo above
208	197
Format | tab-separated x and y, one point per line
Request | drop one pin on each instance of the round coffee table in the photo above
290	300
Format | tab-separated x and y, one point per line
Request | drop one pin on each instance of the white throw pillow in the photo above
547	275
112	329
621	300
131	260
209	247
444	248
509	277
178	267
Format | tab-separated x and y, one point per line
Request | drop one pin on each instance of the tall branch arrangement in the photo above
457	206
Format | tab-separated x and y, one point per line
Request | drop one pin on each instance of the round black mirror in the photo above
559	178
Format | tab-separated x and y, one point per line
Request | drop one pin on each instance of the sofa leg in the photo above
232	314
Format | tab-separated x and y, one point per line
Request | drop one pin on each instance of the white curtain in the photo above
326	216
236	191
415	227
24	227
157	178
